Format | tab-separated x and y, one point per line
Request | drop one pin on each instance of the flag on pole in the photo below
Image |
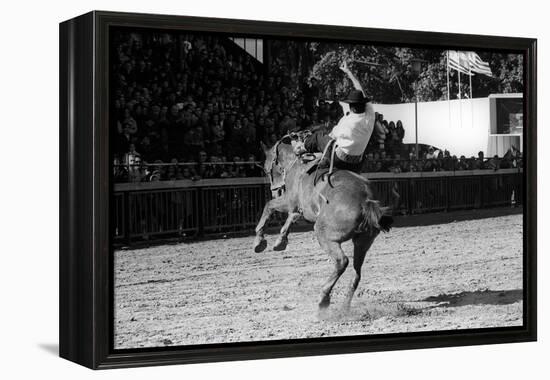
468	62
458	61
465	62
477	65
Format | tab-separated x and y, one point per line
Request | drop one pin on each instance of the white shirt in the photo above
353	131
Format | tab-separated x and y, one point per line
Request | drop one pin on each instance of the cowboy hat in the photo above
356	96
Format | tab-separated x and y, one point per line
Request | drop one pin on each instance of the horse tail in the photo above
374	217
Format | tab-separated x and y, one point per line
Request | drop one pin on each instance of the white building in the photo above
464	127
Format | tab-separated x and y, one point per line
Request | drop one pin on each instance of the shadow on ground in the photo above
480	297
409	309
52	348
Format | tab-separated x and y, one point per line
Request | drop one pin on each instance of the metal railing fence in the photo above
187	209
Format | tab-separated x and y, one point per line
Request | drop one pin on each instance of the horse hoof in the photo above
260	245
280	244
324	303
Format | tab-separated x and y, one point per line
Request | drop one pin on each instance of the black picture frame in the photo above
85	187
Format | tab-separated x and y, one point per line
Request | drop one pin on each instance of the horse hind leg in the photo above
282	240
361	244
340	262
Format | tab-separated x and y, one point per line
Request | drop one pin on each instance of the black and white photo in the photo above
275	189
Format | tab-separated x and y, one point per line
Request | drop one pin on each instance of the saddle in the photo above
320	165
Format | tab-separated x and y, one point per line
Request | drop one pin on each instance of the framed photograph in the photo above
234	189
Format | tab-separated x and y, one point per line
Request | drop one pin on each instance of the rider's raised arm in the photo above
344	67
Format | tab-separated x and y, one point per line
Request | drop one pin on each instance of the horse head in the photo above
277	159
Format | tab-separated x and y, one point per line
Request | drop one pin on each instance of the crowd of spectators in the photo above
194	99
433	160
193	106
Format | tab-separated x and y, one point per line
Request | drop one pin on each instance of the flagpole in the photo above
459	96
470	74
448	90
448	84
471	96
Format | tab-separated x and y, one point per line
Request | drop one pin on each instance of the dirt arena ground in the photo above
459	275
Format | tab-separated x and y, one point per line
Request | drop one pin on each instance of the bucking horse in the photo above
341	206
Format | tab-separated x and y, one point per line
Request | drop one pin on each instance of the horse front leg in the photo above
276	204
282	240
